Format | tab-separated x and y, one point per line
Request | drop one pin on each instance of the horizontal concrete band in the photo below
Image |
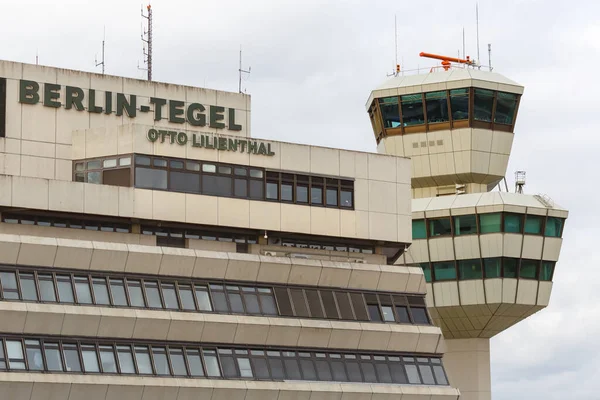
166	261
104	322
27	386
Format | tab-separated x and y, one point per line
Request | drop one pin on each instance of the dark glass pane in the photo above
323	371
251	301
135	293
459	103
224	170
402	313
368	371
100	291
398	374
228	365
177	362
329	304
299	302
34	355
344	305
332	199
260	368
440	227
82	287
533	224
358	304
291	369
125	359
256	189
176	164
484	102
301	194
117	288
510	267
314	303
256	173
241	188
316	195
506	104
284	302
276	366
220	301
184	182
437	107
528	269
152	294
235	300
240	171
412	109
353	371
470	269
465	225
268	304
142	358
216	185
94	177
554	227
53	359
150	178
383	372
547	270
187	297
286	192
374	313
426	271
513	223
345	198
390	112
308	370
192	166
339	372
9	285
28	287
161	364
419	315
90	358
159	163
419	230
272	191
490	223
493	267
169	296
444	270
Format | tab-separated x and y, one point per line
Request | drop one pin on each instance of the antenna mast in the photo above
397	66
96	60
242	71
477	18
147	38
37	58
490	56
463	56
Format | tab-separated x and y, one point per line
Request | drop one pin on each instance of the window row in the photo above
182	360
66	222
321	245
487	223
456	108
488	268
216	179
227	298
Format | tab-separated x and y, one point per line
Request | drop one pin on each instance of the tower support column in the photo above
467	363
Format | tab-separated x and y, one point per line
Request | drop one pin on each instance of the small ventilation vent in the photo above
431	143
440	142
415	145
423	144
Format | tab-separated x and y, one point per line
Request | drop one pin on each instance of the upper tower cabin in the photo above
456	124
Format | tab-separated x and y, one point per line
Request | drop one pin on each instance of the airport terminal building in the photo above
152	247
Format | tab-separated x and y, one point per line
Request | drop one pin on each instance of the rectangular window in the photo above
147	178
47	292
53	359
90	358
184	182
135	293
195	362
8	280
465	225
437	107
484	102
152	294
506	104
439	227
34	355
100	291
142	358
301	194
14	352
216	185
82	288
107	359
510	266
493	267
203	298
390	111
419	230
2	107
272	191
240	188
332	197
547	270
533	224
177	361
28	286
490	223
256	189
459	104
412	109
187	297
71	354
513	223
65	290
168	291
117	288
161	365
211	363
470	269
444	271
426	271
554	227
346	198
529	269
419	315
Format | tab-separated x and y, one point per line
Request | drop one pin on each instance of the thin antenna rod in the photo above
490	56
37	58
463	43
102	62
148	41
396	65
241	71
477	18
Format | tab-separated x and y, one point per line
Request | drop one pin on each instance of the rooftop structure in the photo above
488	257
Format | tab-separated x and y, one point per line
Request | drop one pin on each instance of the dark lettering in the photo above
232	125
163	134
172	136
252	147
262	149
74	97
124	104
269	152
195	116
243	144
158	104
194	142
232	144
175	111
28	92
51	95
92	107
222	143
108	102
216	116
153	135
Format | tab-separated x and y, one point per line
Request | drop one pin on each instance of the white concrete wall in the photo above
467	363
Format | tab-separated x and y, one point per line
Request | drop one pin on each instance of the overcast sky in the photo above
314	63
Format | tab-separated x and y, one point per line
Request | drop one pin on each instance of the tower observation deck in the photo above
488	256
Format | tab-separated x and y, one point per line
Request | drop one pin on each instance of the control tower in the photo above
488	256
